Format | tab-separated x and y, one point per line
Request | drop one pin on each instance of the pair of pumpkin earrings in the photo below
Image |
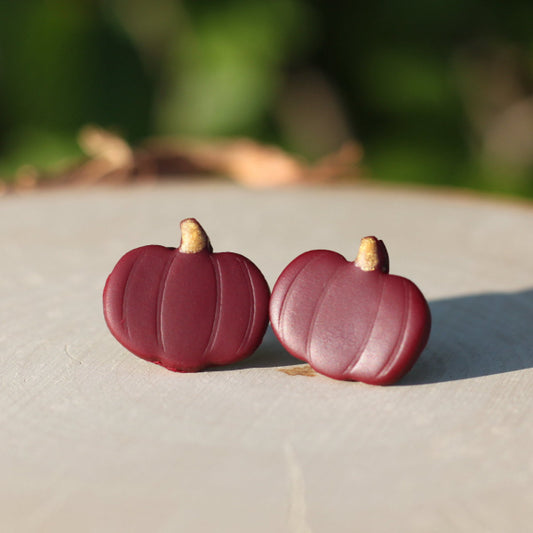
188	308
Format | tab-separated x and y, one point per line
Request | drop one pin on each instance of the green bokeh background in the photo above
437	92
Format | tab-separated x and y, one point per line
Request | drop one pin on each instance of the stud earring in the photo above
350	320
187	308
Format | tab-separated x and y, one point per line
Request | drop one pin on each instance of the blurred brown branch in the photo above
111	160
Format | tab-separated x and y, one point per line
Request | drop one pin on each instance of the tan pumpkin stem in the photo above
193	237
368	258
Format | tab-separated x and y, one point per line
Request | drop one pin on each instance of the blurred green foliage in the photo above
435	92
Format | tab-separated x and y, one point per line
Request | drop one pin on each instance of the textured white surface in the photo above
95	439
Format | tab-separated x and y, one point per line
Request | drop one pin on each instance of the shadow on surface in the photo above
474	336
269	354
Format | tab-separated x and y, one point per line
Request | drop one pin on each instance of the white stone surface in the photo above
95	439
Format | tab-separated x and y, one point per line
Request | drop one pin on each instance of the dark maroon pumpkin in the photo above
350	320
187	308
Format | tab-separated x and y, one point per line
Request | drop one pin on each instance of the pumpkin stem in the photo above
372	255
193	237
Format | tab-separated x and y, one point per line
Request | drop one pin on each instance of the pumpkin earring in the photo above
187	308
350	320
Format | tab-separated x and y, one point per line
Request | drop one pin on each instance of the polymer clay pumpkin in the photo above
187	308
350	320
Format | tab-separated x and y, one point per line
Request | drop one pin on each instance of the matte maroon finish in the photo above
186	311
347	323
